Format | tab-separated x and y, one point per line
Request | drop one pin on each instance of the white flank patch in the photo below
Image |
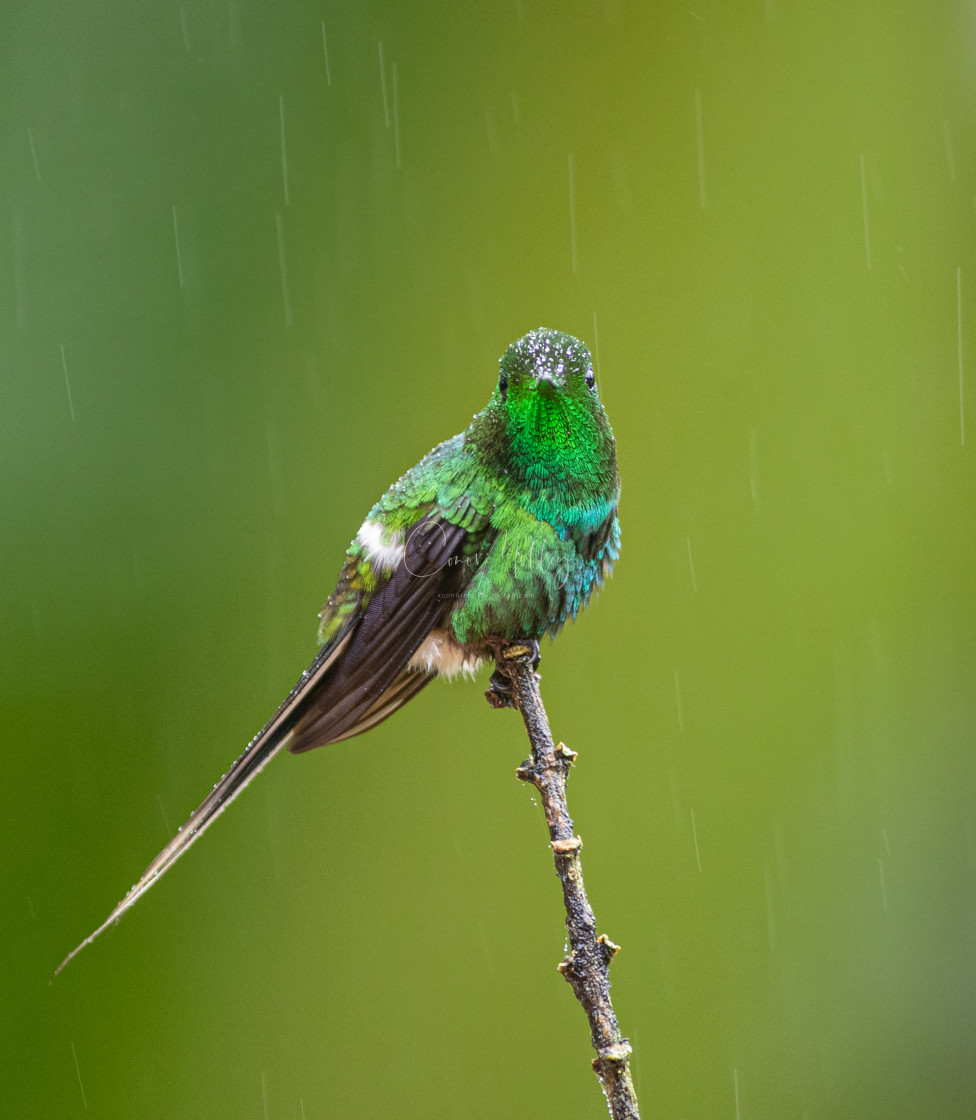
443	655
382	549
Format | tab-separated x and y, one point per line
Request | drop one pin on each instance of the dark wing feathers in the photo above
371	677
404	688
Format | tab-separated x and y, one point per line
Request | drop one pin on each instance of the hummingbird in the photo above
498	535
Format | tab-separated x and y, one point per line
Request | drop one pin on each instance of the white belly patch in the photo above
442	654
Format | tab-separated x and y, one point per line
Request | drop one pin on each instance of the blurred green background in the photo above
255	260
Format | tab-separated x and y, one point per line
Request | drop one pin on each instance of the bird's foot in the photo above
499	693
499	690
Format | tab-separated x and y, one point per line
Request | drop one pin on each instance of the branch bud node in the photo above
617	1053
607	947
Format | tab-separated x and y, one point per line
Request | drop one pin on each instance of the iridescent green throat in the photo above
554	437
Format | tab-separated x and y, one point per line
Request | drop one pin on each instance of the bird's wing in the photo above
371	679
358	678
404	688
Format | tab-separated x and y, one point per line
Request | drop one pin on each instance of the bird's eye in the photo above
590	379
502	386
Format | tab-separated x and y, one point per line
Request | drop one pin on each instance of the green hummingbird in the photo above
497	535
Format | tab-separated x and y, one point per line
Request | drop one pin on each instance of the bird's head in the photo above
550	422
544	365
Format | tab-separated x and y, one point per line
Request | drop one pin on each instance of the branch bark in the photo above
587	966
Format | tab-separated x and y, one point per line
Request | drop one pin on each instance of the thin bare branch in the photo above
587	965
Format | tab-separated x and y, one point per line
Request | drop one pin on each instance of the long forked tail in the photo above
262	748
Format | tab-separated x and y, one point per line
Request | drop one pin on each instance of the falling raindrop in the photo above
328	76
386	104
33	152
84	1099
179	256
67	383
694	833
284	150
